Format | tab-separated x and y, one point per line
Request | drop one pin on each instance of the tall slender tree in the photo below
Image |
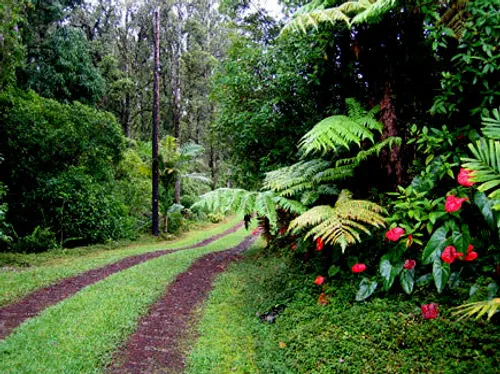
156	119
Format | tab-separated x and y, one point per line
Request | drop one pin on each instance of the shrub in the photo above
40	240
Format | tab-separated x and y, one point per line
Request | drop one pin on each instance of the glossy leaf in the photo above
435	245
441	273
407	279
366	288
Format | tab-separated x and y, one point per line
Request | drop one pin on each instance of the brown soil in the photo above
156	346
14	314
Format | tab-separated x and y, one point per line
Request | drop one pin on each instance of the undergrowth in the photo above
377	336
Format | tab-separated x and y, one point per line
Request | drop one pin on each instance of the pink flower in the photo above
454	203
464	178
319	244
319	280
410	264
470	248
430	311
450	254
358	268
394	234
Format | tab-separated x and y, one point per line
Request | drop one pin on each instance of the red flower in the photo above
450	254
294	246
430	311
454	203
410	264
464	178
256	231
471	256
319	280
470	248
319	244
358	268
282	231
394	234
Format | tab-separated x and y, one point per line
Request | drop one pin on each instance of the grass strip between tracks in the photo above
79	334
18	283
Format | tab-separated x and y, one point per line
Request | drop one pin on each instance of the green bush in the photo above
215	217
40	240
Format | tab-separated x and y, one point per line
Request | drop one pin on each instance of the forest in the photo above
359	140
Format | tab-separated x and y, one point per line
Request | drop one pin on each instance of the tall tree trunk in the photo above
156	120
388	118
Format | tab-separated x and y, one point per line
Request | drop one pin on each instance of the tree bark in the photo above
388	118
156	121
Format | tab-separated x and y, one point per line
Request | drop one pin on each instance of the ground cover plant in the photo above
17	282
106	313
266	316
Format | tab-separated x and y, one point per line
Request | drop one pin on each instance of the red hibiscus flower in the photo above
319	280
394	234
430	311
454	203
410	264
464	178
450	254
358	268
319	244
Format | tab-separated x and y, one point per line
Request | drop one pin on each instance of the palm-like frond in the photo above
295	179
479	309
491	125
199	177
224	200
485	166
342	223
341	131
362	11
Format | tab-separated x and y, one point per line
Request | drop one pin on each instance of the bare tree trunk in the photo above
156	120
388	117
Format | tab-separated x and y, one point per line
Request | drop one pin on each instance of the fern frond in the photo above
342	223
302	21
341	131
491	125
478	309
373	12
199	177
289	205
365	154
485	167
334	174
295	179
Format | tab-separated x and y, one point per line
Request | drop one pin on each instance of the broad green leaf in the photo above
486	205
460	241
407	279
366	289
436	244
389	272
440	273
333	271
424	280
435	216
455	280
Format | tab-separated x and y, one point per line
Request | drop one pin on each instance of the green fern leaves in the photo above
341	224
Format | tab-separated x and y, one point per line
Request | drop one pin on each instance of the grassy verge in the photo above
379	336
79	334
16	283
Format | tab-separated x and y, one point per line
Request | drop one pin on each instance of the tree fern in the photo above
485	166
341	224
479	309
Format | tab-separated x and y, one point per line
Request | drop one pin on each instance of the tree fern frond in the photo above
294	179
341	131
479	309
365	154
485	167
491	125
334	174
289	205
341	223
302	21
374	11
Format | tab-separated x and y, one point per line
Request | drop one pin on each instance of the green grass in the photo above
382	335
79	334
17	283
